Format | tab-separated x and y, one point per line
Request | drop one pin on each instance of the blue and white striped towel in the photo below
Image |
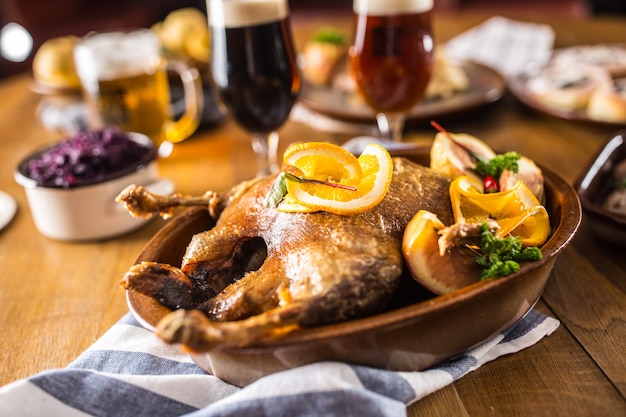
129	372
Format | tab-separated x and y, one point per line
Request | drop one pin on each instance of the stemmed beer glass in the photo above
391	58
254	69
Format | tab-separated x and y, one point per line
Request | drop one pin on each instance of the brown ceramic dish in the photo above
594	184
416	331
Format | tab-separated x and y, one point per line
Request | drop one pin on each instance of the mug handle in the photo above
179	130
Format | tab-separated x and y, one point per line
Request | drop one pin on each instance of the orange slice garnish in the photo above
439	272
324	161
369	175
517	210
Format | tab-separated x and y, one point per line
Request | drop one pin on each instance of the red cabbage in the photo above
88	157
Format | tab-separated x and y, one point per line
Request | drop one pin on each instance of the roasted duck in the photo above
261	273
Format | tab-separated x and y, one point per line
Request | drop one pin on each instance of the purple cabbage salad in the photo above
88	157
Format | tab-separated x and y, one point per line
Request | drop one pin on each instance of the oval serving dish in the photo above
417	330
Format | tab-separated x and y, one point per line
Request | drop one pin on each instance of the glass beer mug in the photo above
125	83
391	58
254	69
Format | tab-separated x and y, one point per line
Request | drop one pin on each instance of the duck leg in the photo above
140	202
200	278
165	283
196	332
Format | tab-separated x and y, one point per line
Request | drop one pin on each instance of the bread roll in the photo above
608	102
324	56
53	64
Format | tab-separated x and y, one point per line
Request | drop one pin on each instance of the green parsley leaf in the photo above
496	165
277	192
501	256
330	35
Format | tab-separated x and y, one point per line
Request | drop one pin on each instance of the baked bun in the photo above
608	102
324	56
53	64
567	87
610	57
184	33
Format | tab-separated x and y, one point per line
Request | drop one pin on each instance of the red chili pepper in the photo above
490	184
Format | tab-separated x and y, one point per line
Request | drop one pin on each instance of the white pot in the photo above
88	212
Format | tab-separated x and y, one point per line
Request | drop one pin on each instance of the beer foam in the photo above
391	7
106	56
240	13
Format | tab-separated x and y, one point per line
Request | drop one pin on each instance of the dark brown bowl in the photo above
593	185
416	331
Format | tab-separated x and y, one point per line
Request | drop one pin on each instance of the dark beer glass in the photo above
391	58
254	68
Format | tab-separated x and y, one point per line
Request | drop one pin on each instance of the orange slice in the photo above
517	210
324	161
440	273
370	174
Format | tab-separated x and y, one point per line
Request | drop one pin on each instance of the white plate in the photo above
8	208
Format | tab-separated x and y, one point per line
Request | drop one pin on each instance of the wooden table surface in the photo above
57	298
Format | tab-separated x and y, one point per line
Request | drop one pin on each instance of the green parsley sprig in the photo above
486	168
330	35
501	256
495	166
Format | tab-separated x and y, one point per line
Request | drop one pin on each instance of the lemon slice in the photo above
370	175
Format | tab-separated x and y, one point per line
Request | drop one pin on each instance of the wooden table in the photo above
57	298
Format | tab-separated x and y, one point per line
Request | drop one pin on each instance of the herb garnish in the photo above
329	35
501	256
279	188
497	165
489	170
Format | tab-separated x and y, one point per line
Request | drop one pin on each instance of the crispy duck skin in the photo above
261	273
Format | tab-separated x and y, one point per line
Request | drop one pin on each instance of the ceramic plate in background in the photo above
8	208
485	86
518	86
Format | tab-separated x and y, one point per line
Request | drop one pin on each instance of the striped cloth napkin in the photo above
129	372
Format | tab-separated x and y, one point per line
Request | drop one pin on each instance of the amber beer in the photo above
391	58
253	61
125	82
